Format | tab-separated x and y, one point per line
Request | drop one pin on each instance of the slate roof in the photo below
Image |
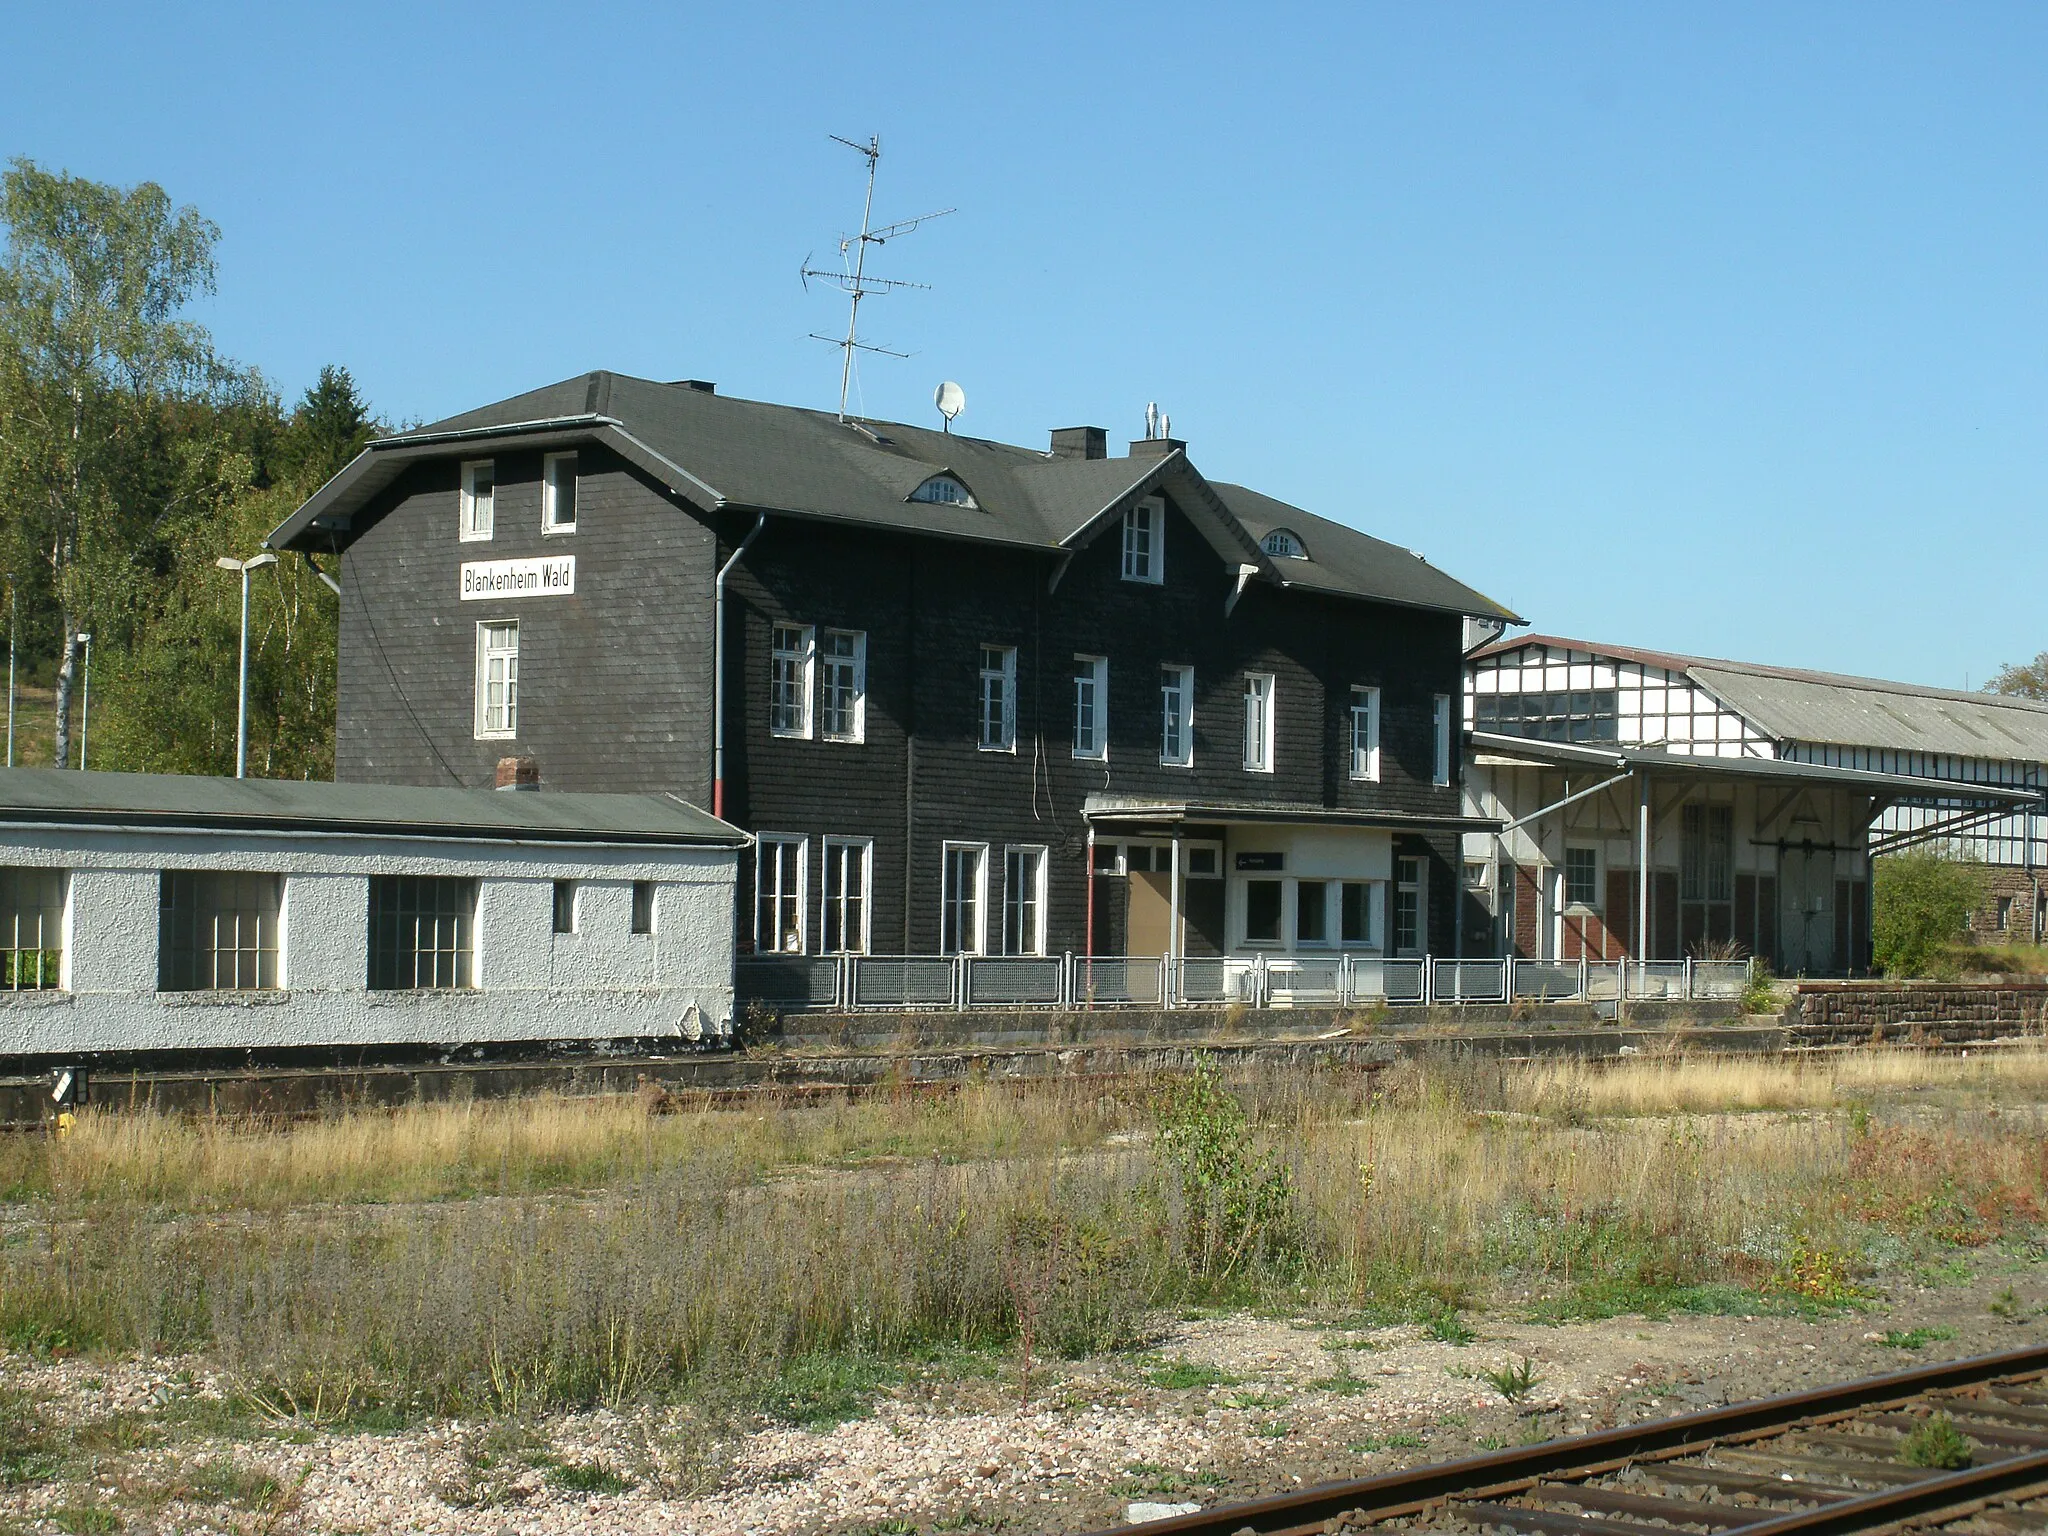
291	805
1830	708
718	451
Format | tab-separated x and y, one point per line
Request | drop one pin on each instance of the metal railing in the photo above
958	982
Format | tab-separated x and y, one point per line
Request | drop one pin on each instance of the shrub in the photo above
1921	902
1936	1443
1233	1200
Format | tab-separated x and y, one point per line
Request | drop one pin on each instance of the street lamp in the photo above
85	703
244	567
13	635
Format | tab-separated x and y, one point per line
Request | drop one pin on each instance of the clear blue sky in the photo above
1712	328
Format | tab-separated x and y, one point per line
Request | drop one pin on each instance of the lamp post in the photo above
254	563
13	635
85	700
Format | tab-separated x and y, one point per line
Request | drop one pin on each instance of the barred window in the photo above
422	932
217	931
31	928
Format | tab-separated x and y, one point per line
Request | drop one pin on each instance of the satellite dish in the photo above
951	400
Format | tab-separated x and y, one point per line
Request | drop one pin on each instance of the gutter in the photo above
718	669
396	831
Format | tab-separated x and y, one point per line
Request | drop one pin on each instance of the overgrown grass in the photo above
790	1260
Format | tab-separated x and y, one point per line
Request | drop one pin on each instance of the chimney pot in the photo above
1080	443
518	773
702	386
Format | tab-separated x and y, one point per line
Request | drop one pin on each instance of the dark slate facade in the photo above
615	681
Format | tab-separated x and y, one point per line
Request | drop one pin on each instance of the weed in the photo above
588	1477
1255	1400
1181	1374
2007	1305
820	1390
1936	1442
83	1519
1817	1274
1447	1327
1343	1382
1513	1381
1493	1442
1914	1338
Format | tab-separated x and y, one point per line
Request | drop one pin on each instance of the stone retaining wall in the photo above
1847	1012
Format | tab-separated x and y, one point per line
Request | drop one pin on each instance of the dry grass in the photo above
513	1255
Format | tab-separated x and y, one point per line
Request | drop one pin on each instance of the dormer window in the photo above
943	491
1281	544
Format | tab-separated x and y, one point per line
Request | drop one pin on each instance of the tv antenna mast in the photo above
852	277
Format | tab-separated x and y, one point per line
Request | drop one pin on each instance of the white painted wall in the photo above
601	982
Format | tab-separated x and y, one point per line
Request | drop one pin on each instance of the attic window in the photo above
1283	545
943	491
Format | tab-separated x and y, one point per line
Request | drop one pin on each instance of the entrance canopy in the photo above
1134	810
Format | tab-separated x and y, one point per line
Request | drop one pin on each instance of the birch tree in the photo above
94	283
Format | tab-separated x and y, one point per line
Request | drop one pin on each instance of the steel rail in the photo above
1499	1472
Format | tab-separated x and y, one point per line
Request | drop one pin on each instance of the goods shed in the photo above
158	913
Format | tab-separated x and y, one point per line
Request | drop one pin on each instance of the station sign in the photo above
553	576
1271	861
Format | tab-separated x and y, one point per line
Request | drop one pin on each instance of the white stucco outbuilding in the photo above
143	912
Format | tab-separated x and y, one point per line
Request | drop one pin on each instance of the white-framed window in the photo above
1359	904
1145	541
1091	706
999	698
963	899
558	493
943	491
1177	716
843	661
477	498
1581	876
843	906
1024	900
1410	891
1312	912
1262	907
1258	722
1440	725
497	679
1283	545
780	864
1365	733
565	906
792	655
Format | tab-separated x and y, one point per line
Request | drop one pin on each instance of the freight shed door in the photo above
1806	912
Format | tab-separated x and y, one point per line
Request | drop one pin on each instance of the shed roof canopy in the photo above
290	805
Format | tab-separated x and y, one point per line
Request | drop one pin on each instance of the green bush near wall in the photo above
1921	903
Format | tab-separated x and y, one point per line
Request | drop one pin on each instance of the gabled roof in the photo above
1830	708
29	795
716	451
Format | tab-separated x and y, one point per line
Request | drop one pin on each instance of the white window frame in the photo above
1564	879
1259	690
977	942
1293	912
1440	729
1365	734
1034	942
802	845
1374	895
1095	681
1144	545
1002	676
1420	887
828	665
1177	716
551	490
837	847
477	515
486	653
805	656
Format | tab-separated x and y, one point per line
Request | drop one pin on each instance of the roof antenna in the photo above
852	280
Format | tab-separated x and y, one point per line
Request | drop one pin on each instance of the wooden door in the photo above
1151	912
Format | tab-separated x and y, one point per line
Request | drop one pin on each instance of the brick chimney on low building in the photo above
518	773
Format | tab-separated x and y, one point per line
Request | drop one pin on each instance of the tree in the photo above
329	427
2025	680
1921	903
92	285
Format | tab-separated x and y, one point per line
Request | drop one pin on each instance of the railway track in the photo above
1817	1463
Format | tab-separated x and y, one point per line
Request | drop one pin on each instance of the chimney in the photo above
702	386
1080	443
1157	447
518	773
